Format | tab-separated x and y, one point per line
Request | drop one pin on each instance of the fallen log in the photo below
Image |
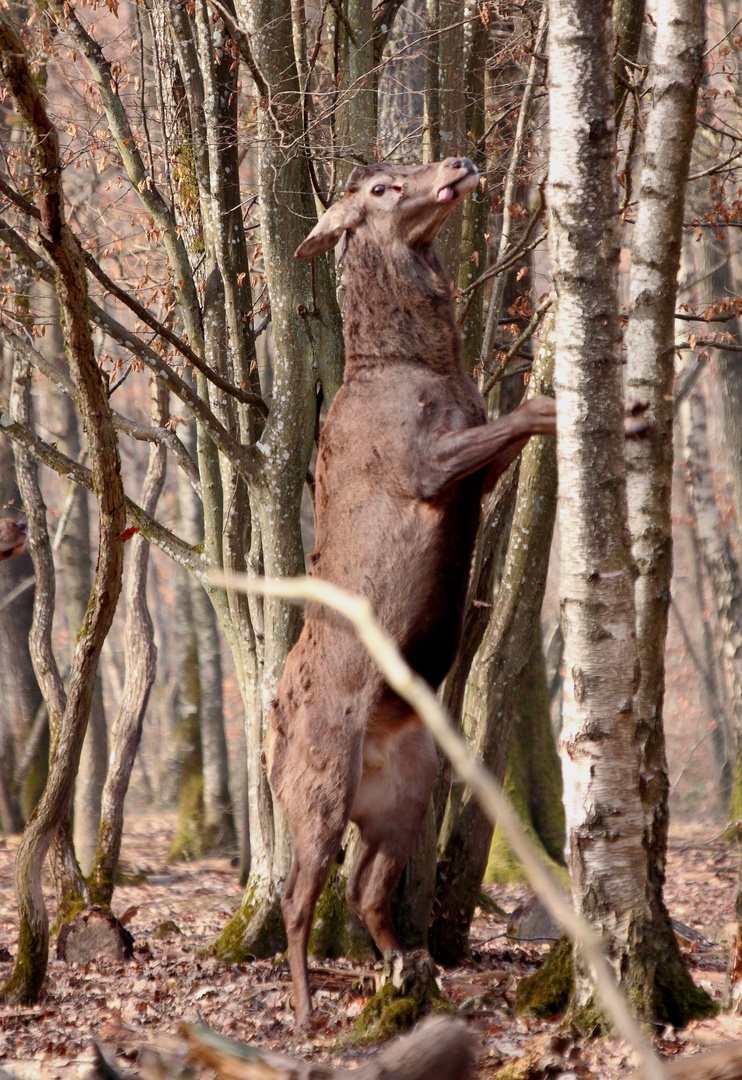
438	1049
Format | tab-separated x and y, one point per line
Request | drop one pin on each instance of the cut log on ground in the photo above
94	934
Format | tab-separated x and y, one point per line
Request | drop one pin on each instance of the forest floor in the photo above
172	980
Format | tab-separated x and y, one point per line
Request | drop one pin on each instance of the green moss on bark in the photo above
657	983
547	992
390	1012
736	807
329	936
188	842
238	943
533	782
68	907
29	971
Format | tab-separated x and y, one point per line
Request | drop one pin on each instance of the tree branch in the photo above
245	396
142	432
126	142
172	546
522	338
243	456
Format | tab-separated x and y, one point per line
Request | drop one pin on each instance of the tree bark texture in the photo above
74	548
600	750
60	245
444	134
702	646
140	659
24	728
200	80
533	781
308	348
715	546
650	340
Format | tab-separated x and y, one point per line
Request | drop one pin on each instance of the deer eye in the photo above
378	189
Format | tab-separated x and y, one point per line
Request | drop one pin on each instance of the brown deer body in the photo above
404	457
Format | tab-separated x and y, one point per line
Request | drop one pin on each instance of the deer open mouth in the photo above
462	186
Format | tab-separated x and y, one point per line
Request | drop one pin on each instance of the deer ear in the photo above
342	215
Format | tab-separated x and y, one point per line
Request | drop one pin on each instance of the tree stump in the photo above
94	934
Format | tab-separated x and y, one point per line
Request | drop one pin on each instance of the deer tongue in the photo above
445	194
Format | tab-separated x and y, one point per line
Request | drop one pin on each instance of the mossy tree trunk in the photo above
74	552
533	781
308	349
189	838
198	93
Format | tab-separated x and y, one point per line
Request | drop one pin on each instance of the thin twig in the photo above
689	381
522	338
495	305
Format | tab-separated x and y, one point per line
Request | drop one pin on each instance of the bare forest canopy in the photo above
166	369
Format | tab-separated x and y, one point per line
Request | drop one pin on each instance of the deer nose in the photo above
461	163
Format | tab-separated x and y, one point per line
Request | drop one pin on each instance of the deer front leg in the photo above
459	453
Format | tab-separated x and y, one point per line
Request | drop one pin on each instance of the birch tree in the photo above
650	340
604	817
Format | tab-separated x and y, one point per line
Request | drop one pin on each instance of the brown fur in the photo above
403	460
13	536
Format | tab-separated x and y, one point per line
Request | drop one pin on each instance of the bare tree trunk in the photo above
308	347
141	664
445	108
533	781
702	648
219	835
600	749
715	546
650	340
29	971
22	766
477	207
74	547
207	160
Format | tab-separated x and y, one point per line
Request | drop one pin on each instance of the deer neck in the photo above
399	308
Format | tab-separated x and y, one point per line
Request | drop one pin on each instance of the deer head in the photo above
395	203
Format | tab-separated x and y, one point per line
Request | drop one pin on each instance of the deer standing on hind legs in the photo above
404	458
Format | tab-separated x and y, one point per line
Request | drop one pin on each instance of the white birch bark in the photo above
599	748
650	340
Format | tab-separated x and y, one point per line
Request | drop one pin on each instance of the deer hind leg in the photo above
315	784
389	809
313	858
